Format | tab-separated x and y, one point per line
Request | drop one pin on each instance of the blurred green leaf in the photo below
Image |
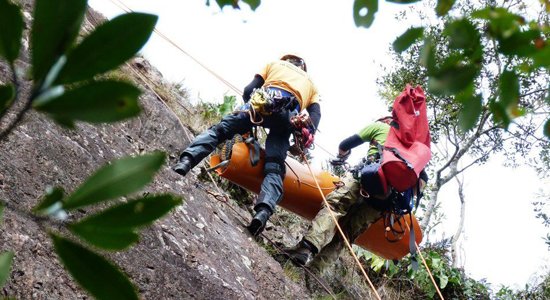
108	46
364	11
377	265
499	114
123	176
443	7
452	79
65	122
427	56
5	265
509	89
443	280
403	1
410	36
542	57
136	213
94	102
11	22
7	93
253	3
114	228
471	109
52	196
462	35
502	23
101	278
54	30
519	43
232	3
547	128
227	105
106	238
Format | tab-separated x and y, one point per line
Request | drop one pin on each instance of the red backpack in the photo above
407	149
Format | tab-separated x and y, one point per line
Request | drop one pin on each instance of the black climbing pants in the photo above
276	147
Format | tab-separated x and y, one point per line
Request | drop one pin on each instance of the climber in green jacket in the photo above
360	201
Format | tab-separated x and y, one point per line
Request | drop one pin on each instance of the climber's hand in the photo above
340	158
307	138
300	121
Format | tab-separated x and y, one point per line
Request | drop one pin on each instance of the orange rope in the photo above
429	272
127	9
224	199
341	231
426	265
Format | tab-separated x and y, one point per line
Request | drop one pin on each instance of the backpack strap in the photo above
254	150
412	245
398	155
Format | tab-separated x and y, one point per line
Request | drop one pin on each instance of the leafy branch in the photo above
66	86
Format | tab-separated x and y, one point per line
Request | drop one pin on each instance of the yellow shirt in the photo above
288	77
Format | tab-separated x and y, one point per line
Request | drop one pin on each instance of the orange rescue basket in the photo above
302	197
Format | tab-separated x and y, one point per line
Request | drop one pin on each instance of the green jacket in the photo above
377	132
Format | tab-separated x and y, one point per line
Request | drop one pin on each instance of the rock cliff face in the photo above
201	250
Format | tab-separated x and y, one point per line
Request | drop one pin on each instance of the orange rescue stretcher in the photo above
302	197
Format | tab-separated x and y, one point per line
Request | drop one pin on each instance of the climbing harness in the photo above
395	207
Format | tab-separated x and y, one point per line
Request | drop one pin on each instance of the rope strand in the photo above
426	265
341	231
127	9
223	198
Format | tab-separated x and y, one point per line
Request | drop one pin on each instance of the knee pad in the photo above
219	131
274	167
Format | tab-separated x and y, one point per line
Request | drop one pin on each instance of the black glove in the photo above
340	159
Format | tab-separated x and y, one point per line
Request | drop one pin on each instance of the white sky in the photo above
502	240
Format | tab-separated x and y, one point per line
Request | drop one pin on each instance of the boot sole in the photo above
181	171
256	227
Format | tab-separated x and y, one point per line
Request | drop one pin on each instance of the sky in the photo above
502	241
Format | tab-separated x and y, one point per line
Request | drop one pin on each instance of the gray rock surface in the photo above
201	250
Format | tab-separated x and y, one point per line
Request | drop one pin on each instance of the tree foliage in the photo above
67	86
498	106
452	282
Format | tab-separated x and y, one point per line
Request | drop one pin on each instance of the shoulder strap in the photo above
412	245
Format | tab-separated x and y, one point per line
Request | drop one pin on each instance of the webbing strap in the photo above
380	151
398	155
254	150
412	245
395	152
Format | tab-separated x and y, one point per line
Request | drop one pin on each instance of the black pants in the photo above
276	147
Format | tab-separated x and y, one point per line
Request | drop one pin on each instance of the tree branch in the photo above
19	116
533	92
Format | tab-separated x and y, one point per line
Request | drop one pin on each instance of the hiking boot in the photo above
302	253
299	256
257	224
183	166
